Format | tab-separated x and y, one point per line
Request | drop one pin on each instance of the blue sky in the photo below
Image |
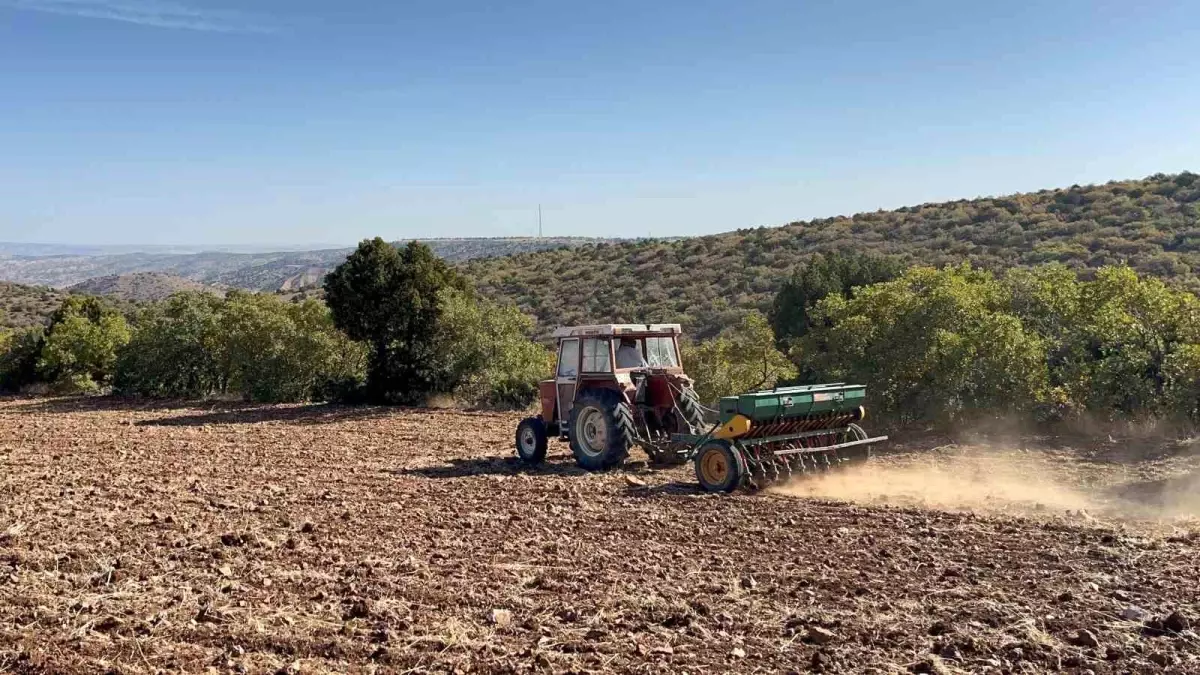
273	121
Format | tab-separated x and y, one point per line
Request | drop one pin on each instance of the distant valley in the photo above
62	267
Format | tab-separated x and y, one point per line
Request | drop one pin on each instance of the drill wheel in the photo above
720	467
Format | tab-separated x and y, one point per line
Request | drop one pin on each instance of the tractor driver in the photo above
628	354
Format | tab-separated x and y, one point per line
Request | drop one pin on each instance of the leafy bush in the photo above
19	358
1118	344
175	350
79	355
932	344
741	360
80	347
257	347
943	345
825	274
493	361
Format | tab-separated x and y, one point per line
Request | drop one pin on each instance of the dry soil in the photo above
137	539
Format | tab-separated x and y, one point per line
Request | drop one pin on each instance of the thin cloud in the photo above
156	13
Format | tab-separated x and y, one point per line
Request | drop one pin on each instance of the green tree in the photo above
492	359
255	346
1131	343
823	275
81	345
933	345
391	299
743	359
280	351
19	358
176	350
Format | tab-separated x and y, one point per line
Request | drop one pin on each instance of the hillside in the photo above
255	271
139	287
22	306
706	282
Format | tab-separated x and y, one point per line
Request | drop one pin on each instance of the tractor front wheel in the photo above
531	440
601	430
719	466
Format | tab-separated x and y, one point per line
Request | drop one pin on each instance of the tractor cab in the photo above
614	386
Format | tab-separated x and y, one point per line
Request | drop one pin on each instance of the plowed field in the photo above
139	539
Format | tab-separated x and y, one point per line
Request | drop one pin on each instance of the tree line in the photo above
951	344
398	325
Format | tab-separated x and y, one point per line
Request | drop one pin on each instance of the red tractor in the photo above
615	386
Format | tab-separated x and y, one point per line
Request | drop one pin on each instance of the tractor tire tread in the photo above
620	420
689	403
540	445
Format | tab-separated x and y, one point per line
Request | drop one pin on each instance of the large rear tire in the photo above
600	429
531	440
693	414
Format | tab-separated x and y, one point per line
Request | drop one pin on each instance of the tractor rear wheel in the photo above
719	466
531	440
689	404
600	429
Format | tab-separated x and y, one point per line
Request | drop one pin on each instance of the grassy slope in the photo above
707	282
22	306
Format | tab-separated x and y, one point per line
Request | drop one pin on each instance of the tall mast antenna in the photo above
539	221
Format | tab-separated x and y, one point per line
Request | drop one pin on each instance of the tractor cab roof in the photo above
608	329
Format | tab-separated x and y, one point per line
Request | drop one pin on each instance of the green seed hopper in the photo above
765	435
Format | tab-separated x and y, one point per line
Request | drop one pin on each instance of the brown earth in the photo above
324	539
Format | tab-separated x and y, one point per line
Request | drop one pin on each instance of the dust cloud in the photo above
977	480
1002	480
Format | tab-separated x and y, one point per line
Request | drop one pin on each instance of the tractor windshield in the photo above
660	353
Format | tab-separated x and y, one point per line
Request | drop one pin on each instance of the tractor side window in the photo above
568	358
660	352
595	356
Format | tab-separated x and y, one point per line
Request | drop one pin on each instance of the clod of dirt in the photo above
1085	638
951	653
1177	623
940	628
931	666
108	624
634	481
1133	613
664	650
501	618
209	614
307	527
359	609
819	636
